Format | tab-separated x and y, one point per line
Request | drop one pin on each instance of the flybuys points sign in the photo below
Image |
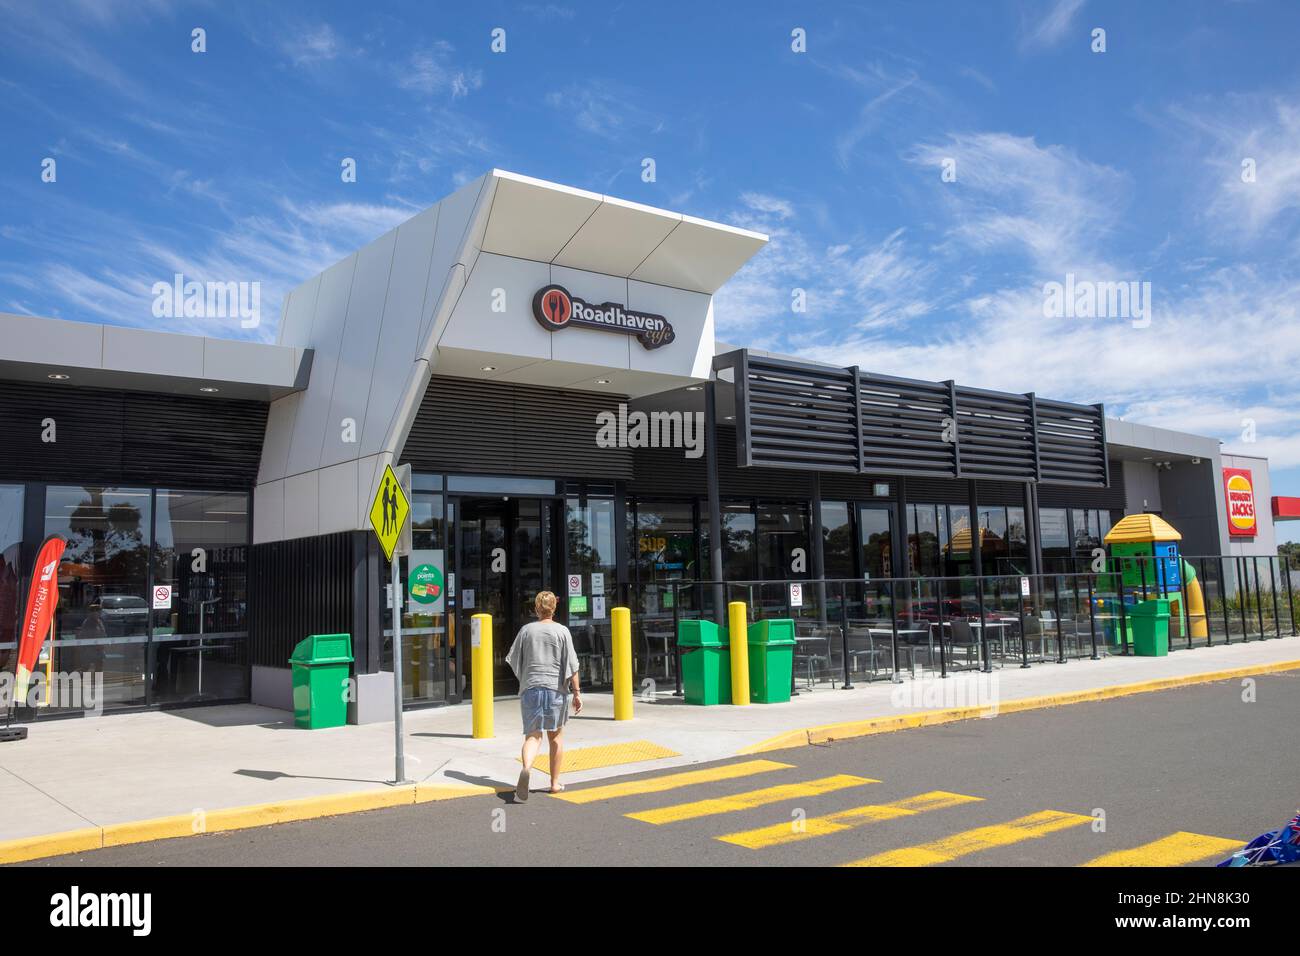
555	308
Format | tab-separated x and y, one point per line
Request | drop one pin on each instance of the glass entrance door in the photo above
508	550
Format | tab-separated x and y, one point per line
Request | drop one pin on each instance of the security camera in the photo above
1196	461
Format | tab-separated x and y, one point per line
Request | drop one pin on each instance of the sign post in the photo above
388	517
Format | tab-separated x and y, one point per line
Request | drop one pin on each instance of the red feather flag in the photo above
41	601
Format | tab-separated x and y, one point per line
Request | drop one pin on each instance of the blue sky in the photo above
1115	166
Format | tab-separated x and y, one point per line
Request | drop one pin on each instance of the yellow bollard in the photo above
480	643
739	637
621	621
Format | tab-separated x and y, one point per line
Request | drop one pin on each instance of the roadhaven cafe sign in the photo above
1239	490
555	308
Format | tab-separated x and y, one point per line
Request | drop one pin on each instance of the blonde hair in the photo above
545	603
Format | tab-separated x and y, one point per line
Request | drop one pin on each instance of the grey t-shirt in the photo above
543	656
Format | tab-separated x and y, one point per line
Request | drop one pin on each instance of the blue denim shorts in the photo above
543	709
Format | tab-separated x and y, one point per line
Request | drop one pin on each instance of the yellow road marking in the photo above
1029	827
781	833
1177	849
606	755
754	798
671	781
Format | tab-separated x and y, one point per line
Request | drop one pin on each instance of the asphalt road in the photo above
1197	767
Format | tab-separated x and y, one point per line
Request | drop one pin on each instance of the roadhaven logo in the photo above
555	308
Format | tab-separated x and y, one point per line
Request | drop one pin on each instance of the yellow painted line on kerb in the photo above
782	833
746	801
827	733
606	755
671	781
1030	827
1177	849
219	820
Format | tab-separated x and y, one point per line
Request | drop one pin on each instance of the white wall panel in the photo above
360	341
403	311
326	337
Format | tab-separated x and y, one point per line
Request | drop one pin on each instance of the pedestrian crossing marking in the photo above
962	844
753	798
606	755
671	781
1177	849
782	833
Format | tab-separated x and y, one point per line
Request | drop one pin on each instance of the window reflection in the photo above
11	539
102	619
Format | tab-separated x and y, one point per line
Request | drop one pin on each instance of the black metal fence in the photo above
851	630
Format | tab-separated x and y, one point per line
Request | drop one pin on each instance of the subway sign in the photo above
555	308
1239	492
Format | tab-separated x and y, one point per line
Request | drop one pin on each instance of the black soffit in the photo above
820	418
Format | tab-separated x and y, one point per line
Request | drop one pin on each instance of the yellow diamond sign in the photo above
389	511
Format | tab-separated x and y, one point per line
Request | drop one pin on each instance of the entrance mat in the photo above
606	755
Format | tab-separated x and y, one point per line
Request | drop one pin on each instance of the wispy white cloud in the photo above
431	71
1040	30
310	45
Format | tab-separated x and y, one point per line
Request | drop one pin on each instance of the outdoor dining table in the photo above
888	632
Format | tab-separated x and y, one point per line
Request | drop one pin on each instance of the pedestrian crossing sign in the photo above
389	511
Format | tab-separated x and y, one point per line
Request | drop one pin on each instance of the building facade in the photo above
544	360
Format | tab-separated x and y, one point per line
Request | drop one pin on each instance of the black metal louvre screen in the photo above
800	417
903	426
811	417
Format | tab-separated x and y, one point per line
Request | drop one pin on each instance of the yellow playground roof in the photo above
1142	527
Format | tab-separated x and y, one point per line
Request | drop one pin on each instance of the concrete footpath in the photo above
81	784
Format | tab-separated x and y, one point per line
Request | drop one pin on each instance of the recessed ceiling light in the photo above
209	389
58	376
603	381
694	388
487	368
729	417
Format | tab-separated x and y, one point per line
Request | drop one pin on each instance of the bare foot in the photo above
556	787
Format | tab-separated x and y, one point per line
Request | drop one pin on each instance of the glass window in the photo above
738	550
102	621
957	558
783	541
1017	542
493	485
837	540
1054	533
664	549
874	536
11	540
993	539
590	535
201	553
428	652
923	540
1085	530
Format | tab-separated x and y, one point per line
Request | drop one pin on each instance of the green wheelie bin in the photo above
321	665
706	662
771	660
1149	623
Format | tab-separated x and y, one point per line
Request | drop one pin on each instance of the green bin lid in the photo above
323	649
772	631
699	633
1153	608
